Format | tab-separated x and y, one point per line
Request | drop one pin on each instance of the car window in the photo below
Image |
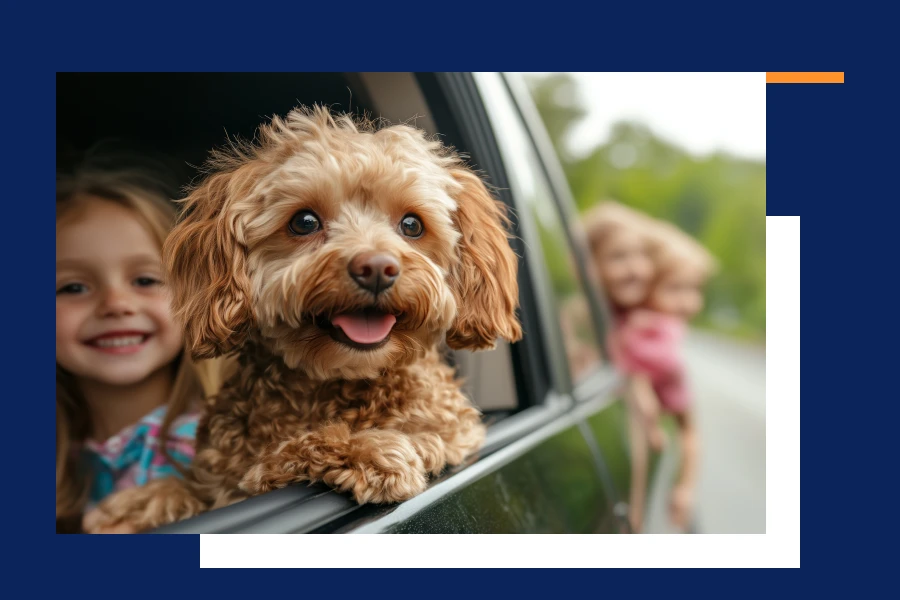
526	174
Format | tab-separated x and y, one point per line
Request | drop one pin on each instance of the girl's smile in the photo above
119	342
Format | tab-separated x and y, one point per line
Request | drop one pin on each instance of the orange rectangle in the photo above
806	77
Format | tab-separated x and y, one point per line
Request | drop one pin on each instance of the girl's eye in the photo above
304	222
147	281
411	226
72	288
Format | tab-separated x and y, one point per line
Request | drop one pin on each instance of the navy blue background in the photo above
826	162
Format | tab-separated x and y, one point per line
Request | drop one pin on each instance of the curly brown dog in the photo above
334	257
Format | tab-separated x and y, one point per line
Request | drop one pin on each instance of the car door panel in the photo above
553	488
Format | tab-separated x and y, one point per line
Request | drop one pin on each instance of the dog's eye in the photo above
304	222
411	226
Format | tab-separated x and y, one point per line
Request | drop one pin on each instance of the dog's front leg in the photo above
136	509
467	439
374	465
450	447
461	435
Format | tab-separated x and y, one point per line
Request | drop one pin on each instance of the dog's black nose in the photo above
374	271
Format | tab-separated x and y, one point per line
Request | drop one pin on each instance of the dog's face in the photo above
348	249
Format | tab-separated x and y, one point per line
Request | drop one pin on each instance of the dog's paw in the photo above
377	466
379	485
120	513
136	509
268	476
385	468
99	521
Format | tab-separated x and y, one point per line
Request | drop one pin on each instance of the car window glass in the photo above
571	303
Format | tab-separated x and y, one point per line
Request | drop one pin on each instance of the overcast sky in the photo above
702	112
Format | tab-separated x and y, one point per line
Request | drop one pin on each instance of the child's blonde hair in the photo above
610	217
145	195
672	249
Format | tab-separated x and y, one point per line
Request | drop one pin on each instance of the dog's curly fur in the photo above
304	406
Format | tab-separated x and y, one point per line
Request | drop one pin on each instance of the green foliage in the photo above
719	199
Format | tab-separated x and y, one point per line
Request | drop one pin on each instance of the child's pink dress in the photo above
649	343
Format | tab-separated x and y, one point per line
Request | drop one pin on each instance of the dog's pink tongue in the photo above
365	327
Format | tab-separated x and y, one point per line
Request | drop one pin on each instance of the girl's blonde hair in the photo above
146	196
609	217
672	249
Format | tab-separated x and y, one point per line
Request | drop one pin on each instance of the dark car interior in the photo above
184	115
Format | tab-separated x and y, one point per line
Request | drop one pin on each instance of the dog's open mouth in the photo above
364	329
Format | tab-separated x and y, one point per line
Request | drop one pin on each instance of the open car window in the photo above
511	380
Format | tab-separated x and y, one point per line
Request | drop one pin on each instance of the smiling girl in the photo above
127	394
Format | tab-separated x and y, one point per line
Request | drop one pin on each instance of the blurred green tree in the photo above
720	199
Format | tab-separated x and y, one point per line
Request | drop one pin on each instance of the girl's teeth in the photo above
118	342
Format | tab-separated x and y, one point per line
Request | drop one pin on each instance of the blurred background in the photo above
689	149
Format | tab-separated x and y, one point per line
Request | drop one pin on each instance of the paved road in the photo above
729	383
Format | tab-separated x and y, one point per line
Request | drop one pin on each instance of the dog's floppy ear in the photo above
484	280
206	272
